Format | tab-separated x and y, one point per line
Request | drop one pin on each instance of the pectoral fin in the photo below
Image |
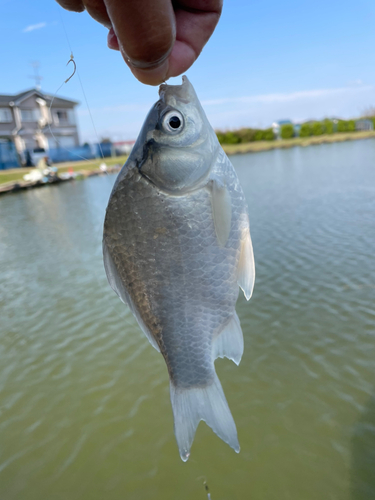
246	266
222	211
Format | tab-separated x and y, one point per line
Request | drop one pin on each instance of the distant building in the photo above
364	124
276	127
123	147
24	120
9	157
297	129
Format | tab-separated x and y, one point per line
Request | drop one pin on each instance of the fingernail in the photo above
149	65
112	40
150	76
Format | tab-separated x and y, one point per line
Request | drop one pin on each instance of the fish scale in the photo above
176	245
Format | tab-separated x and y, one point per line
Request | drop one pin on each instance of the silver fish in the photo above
176	247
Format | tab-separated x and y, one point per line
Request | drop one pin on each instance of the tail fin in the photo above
201	403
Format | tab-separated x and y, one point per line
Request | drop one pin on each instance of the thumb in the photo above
144	31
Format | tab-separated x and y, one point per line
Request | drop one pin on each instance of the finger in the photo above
98	11
151	76
74	5
145	30
195	23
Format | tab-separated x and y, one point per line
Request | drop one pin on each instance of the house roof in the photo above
284	122
5	99
124	143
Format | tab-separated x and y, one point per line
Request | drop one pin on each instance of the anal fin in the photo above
229	342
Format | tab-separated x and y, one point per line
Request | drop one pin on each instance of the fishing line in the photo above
53	98
83	92
80	82
122	315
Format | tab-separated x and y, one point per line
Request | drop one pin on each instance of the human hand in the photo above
157	38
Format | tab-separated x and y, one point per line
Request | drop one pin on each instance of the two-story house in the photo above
24	120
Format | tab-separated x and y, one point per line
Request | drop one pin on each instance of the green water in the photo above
84	398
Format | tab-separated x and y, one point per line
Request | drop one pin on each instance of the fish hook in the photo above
75	67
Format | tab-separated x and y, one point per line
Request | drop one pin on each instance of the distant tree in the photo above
342	126
258	136
305	130
350	125
328	125
287	131
231	138
318	128
106	140
246	134
220	136
268	135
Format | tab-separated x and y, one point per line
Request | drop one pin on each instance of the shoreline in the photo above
84	168
12	180
16	186
258	146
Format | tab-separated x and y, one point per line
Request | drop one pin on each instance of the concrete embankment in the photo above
21	185
12	180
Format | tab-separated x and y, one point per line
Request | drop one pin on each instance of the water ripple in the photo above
85	410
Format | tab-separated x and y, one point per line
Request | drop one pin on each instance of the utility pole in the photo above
36	76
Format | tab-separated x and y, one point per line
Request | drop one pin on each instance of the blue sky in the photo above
267	60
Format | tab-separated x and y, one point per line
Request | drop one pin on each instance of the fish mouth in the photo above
184	92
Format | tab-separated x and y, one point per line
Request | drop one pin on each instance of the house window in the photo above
5	115
29	115
62	116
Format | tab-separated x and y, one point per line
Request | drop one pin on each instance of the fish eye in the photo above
173	122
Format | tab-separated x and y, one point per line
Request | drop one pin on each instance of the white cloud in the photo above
33	27
356	82
262	110
122	108
287	97
124	121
